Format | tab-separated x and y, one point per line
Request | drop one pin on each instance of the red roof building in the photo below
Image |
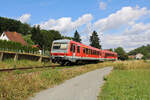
13	36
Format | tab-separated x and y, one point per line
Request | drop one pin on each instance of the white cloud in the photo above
25	18
133	37
122	17
102	5
65	24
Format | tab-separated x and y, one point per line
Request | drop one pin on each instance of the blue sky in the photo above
86	16
42	10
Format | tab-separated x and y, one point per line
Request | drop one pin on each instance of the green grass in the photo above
19	85
129	81
9	63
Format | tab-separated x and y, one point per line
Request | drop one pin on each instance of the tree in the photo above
7	24
27	38
121	53
76	37
37	37
110	49
94	40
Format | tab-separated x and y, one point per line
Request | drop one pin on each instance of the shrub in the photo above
16	47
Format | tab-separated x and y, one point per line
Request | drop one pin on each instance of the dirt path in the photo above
83	87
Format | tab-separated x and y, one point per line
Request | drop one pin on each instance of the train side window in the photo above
71	48
103	54
89	51
100	53
74	48
84	50
78	49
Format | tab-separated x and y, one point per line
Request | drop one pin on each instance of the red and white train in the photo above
66	52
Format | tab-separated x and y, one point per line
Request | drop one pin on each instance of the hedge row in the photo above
16	47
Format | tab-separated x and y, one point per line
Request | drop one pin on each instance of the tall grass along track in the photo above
19	85
25	68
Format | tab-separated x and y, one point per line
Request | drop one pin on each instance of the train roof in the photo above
86	46
62	40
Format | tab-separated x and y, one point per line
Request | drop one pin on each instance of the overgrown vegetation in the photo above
10	63
19	85
128	81
16	47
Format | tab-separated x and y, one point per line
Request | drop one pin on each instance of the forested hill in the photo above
7	24
145	50
33	35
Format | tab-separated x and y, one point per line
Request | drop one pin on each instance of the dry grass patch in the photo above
9	63
19	86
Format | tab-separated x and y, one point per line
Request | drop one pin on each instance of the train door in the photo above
74	50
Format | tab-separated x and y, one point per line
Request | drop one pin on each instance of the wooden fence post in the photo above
1	56
16	57
40	59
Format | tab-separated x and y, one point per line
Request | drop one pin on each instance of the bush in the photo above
16	47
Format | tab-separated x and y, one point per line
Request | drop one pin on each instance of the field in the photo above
130	80
9	63
19	85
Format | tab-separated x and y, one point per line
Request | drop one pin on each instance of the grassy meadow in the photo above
130	80
9	63
20	85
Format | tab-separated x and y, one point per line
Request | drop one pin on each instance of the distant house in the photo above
139	56
13	36
131	56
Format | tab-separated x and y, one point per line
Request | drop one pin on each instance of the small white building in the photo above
139	56
4	37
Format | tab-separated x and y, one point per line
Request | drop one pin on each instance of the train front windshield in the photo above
60	46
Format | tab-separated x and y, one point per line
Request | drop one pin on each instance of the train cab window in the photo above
60	46
84	50
91	52
78	49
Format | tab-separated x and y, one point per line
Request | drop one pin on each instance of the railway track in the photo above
25	68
